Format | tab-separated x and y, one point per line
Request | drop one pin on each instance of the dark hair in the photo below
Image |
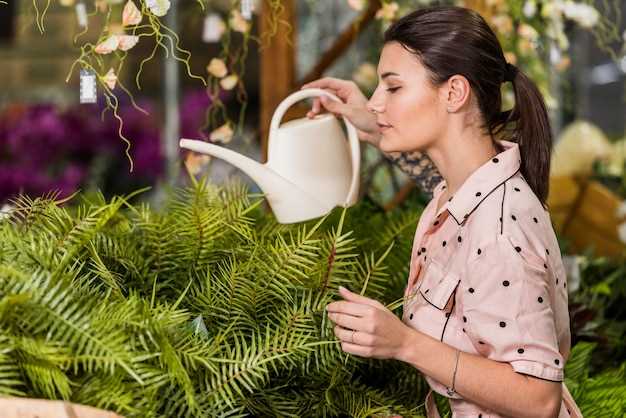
452	40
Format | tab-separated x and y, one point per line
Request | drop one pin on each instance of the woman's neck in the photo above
458	154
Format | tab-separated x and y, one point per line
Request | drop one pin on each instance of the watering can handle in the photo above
353	139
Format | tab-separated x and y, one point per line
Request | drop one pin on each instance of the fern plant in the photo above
208	307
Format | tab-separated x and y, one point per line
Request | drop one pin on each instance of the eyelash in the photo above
392	89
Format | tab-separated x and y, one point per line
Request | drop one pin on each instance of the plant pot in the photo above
43	408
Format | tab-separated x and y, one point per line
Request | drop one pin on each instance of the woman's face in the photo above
409	109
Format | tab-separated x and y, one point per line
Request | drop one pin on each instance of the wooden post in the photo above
278	64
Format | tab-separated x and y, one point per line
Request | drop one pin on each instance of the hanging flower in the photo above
228	83
530	9
214	28
110	79
131	15
114	42
158	7
217	68
357	5
388	11
222	134
527	32
196	162
583	14
107	46
510	57
503	24
126	42
237	22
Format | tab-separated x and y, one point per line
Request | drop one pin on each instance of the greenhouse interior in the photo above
312	208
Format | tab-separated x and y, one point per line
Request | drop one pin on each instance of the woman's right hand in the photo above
353	106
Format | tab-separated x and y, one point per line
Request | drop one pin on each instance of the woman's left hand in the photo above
377	332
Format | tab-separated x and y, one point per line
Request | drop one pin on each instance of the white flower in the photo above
127	41
503	23
217	68
114	42
526	31
214	28
228	83
110	79
388	11
5	211
131	14
158	7
583	14
107	46
238	23
357	5
196	162
222	134
530	8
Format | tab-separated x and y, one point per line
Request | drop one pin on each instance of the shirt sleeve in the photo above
507	311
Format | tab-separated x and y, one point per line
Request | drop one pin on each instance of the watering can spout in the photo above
289	202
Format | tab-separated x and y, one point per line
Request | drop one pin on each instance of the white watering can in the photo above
311	167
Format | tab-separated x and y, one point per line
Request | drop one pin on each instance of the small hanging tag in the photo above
81	14
213	28
199	327
246	9
88	87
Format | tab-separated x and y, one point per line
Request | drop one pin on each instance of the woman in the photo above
485	315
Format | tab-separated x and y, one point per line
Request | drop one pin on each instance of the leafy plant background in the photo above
208	307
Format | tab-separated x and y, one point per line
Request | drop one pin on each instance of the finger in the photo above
358	350
316	105
349	308
333	105
354	297
327	83
352	337
349	321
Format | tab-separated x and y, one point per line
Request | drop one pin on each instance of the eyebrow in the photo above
387	74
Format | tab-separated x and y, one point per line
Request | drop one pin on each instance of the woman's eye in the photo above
392	89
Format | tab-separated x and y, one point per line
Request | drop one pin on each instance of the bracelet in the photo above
451	390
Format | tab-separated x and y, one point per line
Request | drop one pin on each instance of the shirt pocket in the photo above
437	286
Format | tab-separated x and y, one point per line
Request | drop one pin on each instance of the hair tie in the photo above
510	72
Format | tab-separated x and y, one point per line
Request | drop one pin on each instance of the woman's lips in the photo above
383	126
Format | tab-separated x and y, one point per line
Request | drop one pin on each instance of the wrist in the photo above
409	349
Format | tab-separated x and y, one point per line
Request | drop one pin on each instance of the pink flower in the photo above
131	14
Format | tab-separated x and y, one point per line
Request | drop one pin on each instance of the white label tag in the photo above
88	90
81	14
246	9
213	28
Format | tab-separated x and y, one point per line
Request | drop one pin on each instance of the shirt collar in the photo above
481	182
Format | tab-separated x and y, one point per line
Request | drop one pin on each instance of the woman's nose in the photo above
375	104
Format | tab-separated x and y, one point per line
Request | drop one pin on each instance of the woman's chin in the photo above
390	144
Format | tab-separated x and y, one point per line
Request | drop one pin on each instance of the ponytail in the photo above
531	130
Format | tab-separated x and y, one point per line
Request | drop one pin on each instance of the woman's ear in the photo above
456	93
